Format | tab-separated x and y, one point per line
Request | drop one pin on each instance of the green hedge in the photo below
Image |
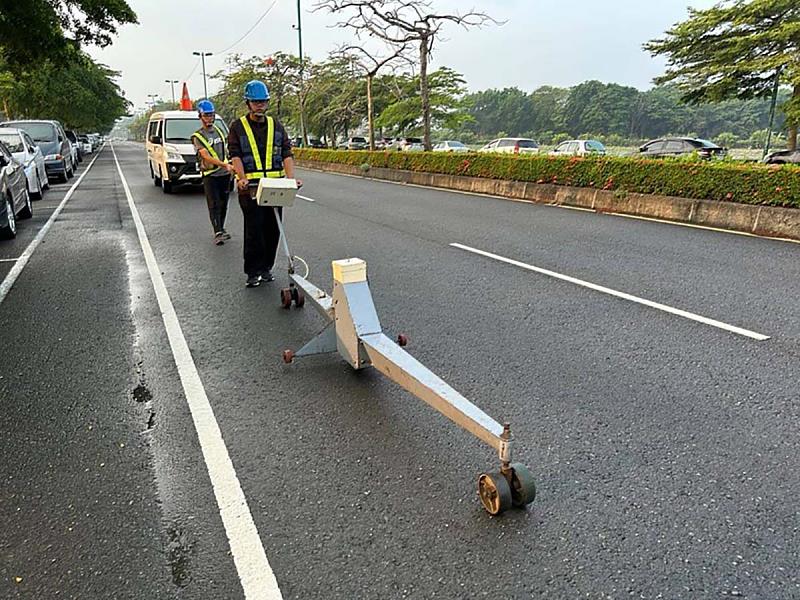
715	180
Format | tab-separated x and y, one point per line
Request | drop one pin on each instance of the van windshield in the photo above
180	130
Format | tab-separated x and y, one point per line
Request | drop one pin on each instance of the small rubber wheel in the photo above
402	340
288	356
299	297
286	298
494	492
523	487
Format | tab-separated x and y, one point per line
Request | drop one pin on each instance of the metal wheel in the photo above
523	487
286	298
299	297
402	340
288	356
494	492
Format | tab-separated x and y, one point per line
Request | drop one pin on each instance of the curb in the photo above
767	221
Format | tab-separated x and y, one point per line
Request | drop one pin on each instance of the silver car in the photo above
579	148
15	201
30	156
512	146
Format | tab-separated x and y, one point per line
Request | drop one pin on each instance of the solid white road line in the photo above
258	580
9	259
15	271
623	295
306	198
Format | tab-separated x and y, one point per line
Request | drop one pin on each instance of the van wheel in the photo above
166	186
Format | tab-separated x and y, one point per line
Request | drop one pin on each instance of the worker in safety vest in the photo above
211	145
259	147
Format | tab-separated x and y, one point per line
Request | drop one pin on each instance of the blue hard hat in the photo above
205	106
256	90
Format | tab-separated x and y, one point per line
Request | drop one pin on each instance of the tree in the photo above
370	64
735	50
34	30
401	22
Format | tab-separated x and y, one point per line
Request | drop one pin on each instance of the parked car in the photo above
85	143
383	143
316	143
783	157
512	146
579	148
450	146
15	202
666	147
405	143
29	156
53	142
357	143
77	149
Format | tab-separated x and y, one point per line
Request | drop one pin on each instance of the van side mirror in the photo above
3	161
155	139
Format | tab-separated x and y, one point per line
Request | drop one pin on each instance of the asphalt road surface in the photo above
155	446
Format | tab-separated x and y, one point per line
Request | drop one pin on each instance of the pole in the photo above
303	132
203	60
772	111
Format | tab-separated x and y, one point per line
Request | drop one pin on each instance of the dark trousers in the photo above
261	236
217	190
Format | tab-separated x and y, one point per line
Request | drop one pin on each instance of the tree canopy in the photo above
33	30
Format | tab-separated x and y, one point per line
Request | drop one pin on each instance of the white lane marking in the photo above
15	271
306	198
258	580
599	288
578	208
9	259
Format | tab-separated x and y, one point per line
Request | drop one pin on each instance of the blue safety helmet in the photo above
256	90
205	106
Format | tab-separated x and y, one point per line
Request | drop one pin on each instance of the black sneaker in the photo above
267	276
225	235
219	238
253	281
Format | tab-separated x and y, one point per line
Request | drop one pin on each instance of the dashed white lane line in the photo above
256	576
599	288
306	198
15	271
9	259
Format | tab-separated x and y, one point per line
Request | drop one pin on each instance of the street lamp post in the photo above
202	56
299	28
172	83
152	101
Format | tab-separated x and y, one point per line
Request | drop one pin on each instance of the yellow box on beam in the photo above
349	270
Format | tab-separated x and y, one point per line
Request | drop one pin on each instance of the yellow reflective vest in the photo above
208	146
263	167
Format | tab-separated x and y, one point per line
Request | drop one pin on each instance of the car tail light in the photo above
516	148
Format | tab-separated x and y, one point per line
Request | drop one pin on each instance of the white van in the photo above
170	151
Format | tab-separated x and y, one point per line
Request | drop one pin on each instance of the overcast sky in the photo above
542	42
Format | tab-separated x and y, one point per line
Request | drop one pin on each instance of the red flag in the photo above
186	101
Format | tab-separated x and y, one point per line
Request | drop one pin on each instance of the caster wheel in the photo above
299	297
288	356
402	340
286	298
495	493
523	488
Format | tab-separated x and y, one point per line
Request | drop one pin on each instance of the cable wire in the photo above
249	31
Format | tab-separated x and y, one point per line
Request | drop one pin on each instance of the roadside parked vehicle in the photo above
170	152
15	201
357	143
383	143
316	143
579	148
783	157
85	143
405	143
53	142
29	156
512	146
666	147
450	146
77	149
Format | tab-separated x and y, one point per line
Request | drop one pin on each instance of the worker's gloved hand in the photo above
299	183
242	184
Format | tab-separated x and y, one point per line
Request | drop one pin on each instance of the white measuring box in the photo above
276	191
